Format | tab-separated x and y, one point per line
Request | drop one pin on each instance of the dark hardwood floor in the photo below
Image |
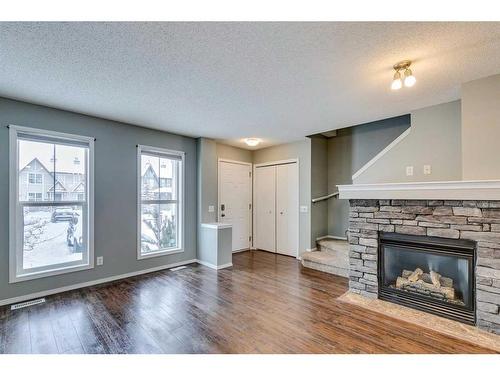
266	303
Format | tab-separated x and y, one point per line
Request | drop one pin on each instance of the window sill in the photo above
159	253
55	272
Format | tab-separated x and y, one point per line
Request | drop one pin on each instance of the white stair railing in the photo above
325	197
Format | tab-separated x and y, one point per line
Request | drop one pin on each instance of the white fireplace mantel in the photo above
438	190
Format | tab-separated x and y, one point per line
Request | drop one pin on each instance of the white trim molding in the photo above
49	292
216	225
241	250
219	212
166	153
233	161
442	190
17	272
328	236
381	153
277	162
213	266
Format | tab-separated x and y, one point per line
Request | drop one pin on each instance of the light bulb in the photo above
396	83
252	142
409	78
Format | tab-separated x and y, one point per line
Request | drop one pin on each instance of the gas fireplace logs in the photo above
431	284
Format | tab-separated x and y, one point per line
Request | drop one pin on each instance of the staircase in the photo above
331	256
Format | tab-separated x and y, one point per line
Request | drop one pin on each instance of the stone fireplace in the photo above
439	256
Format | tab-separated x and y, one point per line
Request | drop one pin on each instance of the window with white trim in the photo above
51	225
160	204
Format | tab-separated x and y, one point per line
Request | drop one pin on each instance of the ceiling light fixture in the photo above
408	80
396	81
252	142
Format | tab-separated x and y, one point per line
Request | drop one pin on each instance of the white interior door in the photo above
265	208
287	209
235	198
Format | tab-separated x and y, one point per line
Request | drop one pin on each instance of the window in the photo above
51	230
160	203
35	178
34	197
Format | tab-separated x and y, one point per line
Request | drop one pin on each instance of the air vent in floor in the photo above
22	305
177	268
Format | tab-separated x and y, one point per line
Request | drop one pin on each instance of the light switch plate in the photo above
409	170
211	208
427	169
303	209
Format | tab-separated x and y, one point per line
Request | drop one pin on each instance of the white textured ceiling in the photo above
275	81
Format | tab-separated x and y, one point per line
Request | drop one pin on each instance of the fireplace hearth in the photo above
432	274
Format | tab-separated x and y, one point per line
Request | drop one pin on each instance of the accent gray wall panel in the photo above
348	152
319	187
115	192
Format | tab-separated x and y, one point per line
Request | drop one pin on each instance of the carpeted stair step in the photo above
332	256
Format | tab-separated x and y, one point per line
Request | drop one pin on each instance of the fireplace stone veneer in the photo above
472	220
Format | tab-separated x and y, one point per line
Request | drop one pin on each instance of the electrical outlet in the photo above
427	169
211	208
409	170
100	261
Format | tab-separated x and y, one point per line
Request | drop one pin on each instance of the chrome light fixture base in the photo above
402	65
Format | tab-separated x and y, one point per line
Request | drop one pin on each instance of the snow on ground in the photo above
49	246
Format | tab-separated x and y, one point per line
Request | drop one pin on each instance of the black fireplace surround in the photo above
454	260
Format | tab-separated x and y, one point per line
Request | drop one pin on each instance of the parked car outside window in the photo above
64	214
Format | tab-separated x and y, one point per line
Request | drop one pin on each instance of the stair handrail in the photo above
325	197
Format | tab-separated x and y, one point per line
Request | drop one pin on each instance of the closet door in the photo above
265	208
287	209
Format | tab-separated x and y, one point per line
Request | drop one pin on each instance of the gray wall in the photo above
115	192
347	153
481	129
233	153
296	150
207	179
434	139
319	186
209	151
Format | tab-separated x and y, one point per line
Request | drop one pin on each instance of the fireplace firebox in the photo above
431	274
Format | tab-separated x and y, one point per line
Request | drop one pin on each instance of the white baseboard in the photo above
48	292
331	237
213	266
240	251
322	238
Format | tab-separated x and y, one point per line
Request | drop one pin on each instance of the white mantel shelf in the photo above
439	190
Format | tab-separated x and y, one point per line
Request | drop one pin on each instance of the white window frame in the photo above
180	221
15	207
